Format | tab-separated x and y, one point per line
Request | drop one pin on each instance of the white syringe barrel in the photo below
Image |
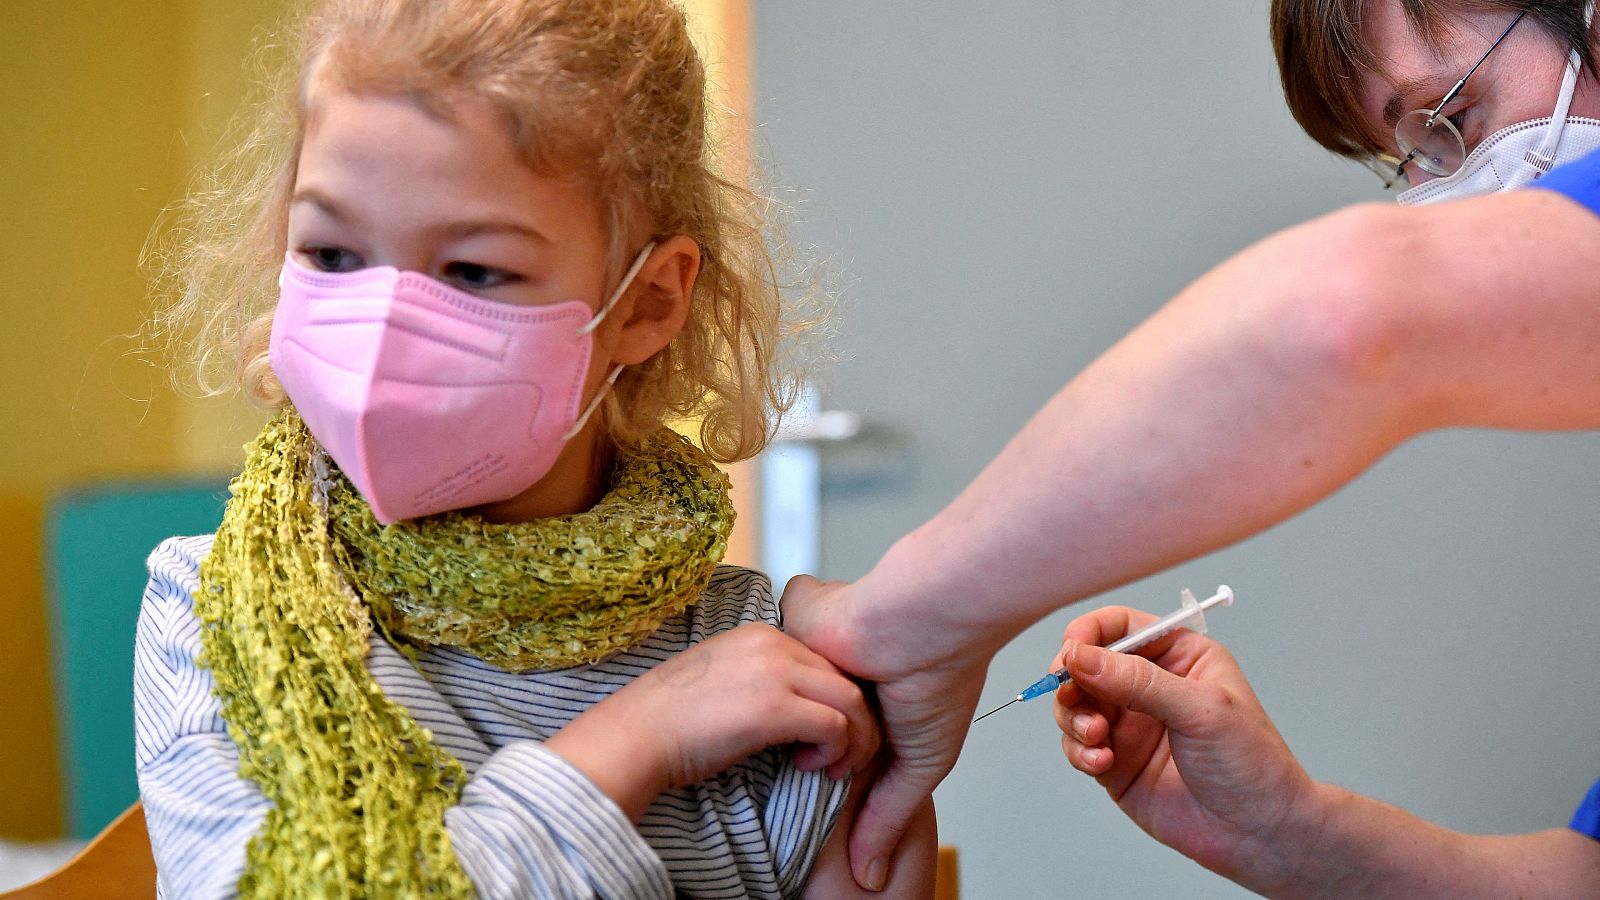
1190	610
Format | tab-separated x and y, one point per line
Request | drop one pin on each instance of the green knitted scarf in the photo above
301	571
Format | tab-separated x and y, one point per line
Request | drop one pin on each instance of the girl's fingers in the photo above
820	706
809	758
824	728
832	689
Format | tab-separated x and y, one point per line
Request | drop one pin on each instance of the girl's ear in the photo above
656	305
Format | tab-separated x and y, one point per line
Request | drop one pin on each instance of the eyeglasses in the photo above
1430	140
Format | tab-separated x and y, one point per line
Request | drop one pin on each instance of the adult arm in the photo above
1258	390
1371	849
1182	745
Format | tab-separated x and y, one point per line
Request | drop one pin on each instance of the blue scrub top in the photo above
1579	179
1587	819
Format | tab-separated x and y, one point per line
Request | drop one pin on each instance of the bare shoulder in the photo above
911	871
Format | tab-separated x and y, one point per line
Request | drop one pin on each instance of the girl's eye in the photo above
332	259
475	277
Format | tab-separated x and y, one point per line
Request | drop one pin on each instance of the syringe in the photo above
1192	613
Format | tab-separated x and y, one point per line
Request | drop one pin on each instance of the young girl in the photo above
463	629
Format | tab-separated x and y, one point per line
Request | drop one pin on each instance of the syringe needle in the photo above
996	709
1191	611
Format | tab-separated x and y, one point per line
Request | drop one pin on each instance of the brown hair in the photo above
1322	57
610	91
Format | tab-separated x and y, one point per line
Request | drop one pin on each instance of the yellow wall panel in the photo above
88	92
108	109
104	105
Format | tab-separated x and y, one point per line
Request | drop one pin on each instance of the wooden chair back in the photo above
946	881
117	863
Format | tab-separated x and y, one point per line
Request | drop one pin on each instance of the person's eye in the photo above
475	277
1462	119
1456	111
326	258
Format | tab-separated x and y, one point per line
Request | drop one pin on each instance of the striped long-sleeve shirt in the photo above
528	823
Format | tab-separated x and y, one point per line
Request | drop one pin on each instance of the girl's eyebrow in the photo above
462	228
466	228
321	201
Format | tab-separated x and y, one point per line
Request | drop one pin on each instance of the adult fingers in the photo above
925	718
1084	733
1138	684
1101	627
1089	759
806	604
1106	624
892	802
1084	723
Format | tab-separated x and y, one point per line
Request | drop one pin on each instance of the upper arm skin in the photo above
1558	862
1367	848
1486	312
911	869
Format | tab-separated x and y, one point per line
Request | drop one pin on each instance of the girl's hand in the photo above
1182	745
701	711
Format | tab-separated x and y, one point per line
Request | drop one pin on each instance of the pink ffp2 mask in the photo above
430	398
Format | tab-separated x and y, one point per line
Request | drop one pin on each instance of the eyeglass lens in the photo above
1432	141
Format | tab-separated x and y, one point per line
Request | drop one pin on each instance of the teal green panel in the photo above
97	544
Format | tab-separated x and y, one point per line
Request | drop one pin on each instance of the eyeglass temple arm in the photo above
1451	94
1399	169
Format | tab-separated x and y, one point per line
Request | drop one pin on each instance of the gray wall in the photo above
1008	187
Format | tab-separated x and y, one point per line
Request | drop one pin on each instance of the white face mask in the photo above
1519	153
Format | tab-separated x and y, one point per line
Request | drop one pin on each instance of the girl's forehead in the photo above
404	161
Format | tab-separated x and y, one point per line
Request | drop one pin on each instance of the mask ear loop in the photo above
616	371
593	404
1543	158
622	288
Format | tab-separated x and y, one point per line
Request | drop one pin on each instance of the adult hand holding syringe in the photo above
1191	614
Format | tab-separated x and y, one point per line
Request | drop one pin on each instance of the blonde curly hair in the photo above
614	88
